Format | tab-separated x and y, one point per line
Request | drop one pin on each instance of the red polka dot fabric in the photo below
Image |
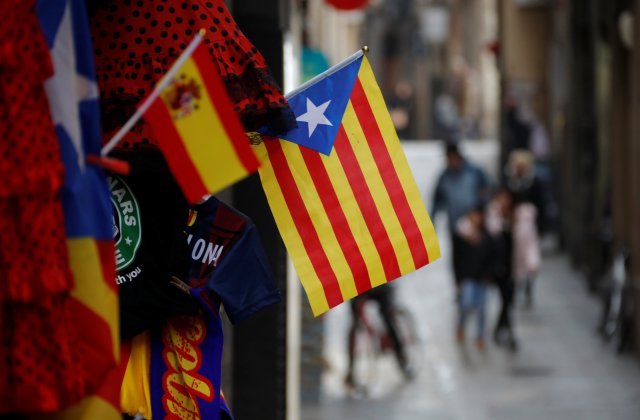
136	42
33	256
37	362
41	369
30	159
33	248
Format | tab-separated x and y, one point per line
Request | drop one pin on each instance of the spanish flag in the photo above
197	128
341	191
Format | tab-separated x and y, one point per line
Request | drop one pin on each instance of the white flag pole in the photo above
164	82
344	63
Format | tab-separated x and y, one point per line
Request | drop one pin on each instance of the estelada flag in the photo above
73	101
354	219
197	128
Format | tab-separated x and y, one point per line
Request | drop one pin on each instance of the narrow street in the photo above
563	369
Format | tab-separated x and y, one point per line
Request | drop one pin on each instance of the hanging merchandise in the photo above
354	219
149	215
179	362
37	358
158	237
93	305
31	168
228	261
195	126
136	43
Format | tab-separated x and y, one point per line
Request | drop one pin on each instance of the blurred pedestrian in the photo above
401	109
462	186
499	223
477	250
525	184
517	128
528	220
383	296
526	247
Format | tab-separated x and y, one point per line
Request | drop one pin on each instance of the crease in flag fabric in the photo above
353	219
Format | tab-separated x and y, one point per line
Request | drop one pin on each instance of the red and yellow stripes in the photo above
353	220
205	146
94	309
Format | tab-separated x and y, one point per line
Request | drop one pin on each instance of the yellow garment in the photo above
135	395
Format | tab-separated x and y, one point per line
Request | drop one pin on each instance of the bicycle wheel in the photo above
409	337
364	365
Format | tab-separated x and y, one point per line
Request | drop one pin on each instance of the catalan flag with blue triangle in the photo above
73	100
341	190
320	107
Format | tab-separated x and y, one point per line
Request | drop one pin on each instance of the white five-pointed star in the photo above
66	88
315	116
128	240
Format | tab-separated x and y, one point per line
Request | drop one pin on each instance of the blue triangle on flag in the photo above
319	108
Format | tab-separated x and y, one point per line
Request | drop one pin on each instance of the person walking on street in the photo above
529	211
525	184
383	296
461	187
498	220
526	248
477	250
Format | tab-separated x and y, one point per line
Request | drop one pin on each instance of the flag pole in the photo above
344	63
164	82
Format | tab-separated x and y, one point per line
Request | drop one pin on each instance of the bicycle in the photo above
617	314
372	341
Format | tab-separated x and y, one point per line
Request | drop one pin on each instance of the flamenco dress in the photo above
38	362
136	42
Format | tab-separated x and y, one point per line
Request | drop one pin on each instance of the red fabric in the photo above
33	255
38	359
33	248
136	42
348	4
37	356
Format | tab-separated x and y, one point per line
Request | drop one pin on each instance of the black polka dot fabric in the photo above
136	42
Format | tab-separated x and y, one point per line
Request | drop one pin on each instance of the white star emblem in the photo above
66	88
128	240
315	116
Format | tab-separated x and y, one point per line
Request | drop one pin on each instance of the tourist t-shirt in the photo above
228	268
228	260
149	219
158	236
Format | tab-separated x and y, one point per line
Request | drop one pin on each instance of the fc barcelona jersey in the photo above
228	268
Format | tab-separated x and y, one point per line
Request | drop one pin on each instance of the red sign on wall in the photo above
348	4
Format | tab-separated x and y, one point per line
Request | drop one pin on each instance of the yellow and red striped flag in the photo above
196	126
351	218
93	304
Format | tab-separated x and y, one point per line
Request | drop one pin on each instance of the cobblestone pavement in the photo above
563	370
